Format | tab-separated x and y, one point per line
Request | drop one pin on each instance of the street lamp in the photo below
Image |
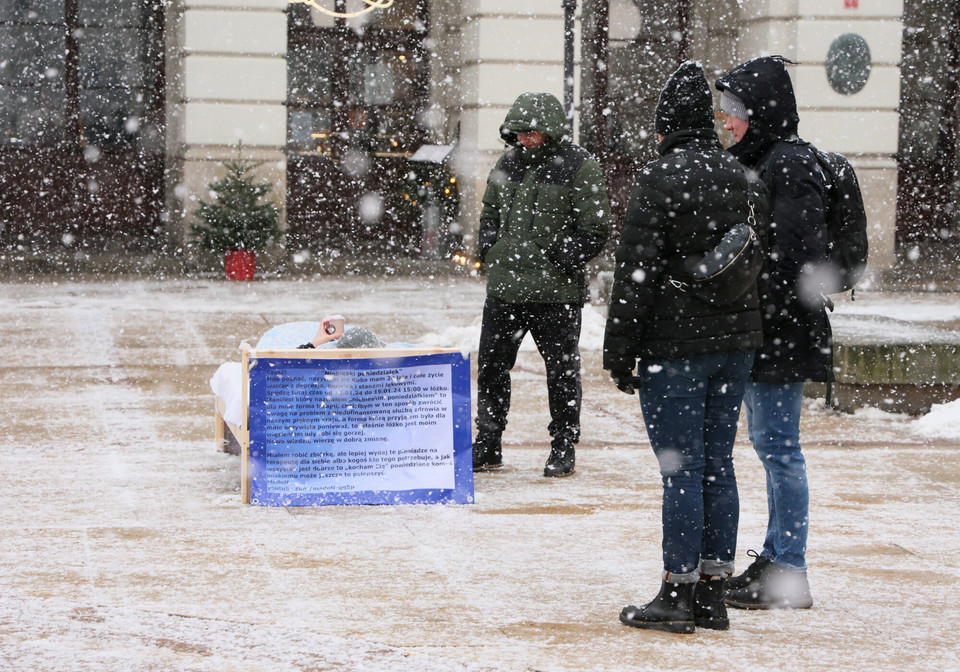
569	8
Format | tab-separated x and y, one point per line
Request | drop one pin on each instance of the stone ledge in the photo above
893	365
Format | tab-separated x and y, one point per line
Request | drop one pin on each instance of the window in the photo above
79	71
358	81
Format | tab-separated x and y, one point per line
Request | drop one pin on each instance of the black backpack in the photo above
846	219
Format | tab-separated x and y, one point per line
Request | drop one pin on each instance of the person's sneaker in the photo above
562	460
487	454
751	573
778	587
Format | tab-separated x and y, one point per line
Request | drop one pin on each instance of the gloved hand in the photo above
625	381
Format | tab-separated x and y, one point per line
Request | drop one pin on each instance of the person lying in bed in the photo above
334	328
331	329
332	332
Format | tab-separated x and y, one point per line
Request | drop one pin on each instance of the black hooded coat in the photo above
798	343
681	206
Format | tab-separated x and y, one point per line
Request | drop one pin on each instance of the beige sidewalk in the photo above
124	546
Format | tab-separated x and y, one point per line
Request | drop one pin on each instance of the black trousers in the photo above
556	331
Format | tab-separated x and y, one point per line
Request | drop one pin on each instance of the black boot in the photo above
670	611
562	458
776	587
751	574
487	452
709	611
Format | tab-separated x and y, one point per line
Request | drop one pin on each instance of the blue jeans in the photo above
773	418
690	407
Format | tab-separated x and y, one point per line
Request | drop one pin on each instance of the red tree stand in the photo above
240	264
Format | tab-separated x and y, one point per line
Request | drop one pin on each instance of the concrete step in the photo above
894	364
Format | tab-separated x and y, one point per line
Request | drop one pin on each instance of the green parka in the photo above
545	211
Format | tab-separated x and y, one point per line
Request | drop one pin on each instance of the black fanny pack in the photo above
726	272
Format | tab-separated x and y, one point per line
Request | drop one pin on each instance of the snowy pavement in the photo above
124	545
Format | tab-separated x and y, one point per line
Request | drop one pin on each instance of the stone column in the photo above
508	48
226	94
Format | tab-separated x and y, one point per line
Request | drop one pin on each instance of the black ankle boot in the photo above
776	587
751	574
562	460
487	453
709	611
670	611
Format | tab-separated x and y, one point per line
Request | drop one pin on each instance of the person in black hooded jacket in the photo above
798	346
694	356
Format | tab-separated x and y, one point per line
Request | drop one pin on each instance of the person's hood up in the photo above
535	112
765	89
685	102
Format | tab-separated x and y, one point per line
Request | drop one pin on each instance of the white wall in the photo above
227	89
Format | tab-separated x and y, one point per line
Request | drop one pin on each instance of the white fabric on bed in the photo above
290	335
227	384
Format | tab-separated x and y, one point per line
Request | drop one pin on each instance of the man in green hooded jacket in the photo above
545	215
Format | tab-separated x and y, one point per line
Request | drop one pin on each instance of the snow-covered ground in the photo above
124	545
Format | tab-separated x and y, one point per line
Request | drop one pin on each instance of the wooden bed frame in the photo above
241	433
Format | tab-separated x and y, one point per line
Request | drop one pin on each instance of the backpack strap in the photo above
763	166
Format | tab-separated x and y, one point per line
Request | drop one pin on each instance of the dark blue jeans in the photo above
773	419
691	407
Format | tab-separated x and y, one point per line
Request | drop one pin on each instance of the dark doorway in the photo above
630	48
928	186
357	90
81	123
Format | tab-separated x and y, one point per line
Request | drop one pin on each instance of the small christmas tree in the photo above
237	220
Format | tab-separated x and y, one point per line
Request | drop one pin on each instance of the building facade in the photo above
369	115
